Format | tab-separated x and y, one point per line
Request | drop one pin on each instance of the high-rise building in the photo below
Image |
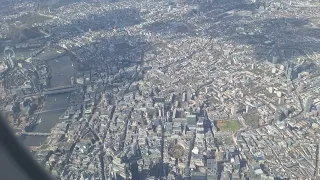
278	116
206	89
198	176
247	108
289	73
197	102
234	110
192	122
275	59
308	104
281	100
188	95
180	88
289	89
318	108
212	169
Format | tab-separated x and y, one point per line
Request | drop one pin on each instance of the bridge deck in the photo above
59	91
39	134
58	88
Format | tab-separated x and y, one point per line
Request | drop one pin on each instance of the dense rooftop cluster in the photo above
180	89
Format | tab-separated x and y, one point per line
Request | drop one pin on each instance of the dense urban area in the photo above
164	89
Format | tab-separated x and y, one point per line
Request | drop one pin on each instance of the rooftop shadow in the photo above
171	26
232	21
119	18
220	6
112	53
285	38
203	12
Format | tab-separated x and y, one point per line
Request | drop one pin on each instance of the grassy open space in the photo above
229	126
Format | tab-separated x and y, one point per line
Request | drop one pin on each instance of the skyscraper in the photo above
234	110
308	104
192	122
180	87
278	116
212	169
289	73
188	95
247	108
275	59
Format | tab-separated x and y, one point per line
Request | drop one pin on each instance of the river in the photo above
55	105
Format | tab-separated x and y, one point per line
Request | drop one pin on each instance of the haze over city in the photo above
164	89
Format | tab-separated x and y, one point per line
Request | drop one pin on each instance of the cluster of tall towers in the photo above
289	70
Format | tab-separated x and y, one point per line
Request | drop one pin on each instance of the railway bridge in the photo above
58	90
39	133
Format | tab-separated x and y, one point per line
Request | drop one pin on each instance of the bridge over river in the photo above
57	90
39	133
51	91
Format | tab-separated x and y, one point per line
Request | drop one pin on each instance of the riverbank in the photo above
54	105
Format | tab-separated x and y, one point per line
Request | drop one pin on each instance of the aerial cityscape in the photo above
164	89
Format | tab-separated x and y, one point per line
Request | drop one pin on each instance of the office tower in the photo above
308	104
234	110
274	59
200	132
289	89
281	100
289	73
197	102
287	65
278	115
183	98
188	95
285	111
180	88
212	169
253	66
192	122
318	108
247	108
